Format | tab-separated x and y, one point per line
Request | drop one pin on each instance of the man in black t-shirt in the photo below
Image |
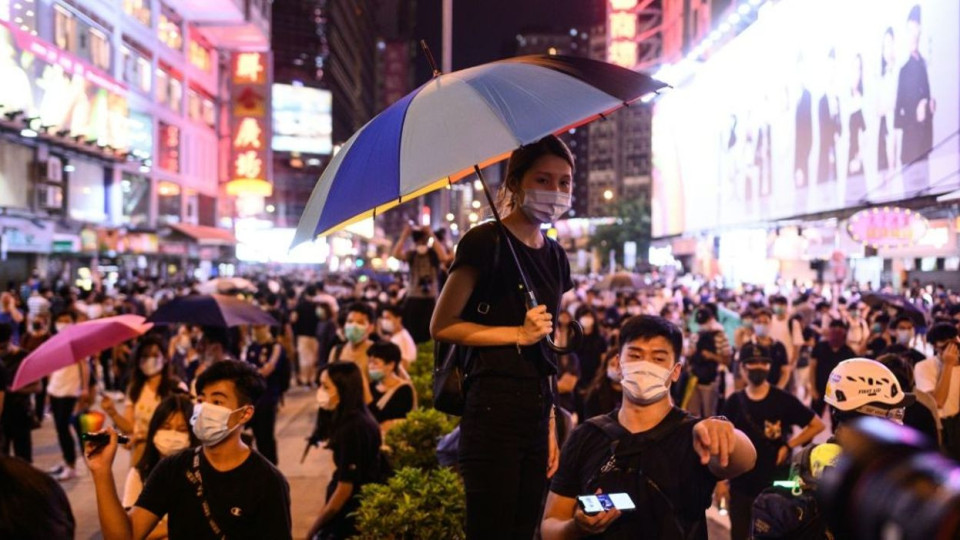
666	460
824	357
220	489
16	418
780	368
767	415
304	321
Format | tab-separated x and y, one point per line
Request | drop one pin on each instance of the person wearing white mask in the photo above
151	382
682	457
591	351
353	435
391	327
425	262
69	391
220	489
356	330
168	433
508	446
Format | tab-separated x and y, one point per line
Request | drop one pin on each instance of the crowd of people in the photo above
680	392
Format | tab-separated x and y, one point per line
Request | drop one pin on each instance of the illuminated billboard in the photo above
302	120
819	105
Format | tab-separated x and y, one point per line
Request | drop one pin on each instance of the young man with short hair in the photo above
939	376
220	489
780	367
767	414
904	332
681	455
391	327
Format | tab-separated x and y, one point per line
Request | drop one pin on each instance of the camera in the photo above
890	483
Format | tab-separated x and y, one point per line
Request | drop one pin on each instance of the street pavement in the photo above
308	481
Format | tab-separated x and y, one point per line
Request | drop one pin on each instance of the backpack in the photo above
643	489
778	513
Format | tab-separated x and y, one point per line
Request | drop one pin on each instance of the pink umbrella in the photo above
77	342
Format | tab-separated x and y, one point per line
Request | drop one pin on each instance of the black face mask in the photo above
757	376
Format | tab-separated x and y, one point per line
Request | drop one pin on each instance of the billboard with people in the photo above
819	105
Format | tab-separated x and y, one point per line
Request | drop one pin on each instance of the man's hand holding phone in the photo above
100	457
595	513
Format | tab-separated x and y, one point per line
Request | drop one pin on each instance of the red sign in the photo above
887	227
169	158
622	28
250	162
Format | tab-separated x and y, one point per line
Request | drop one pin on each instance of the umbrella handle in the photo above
573	345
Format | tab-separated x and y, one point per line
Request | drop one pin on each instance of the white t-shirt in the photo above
65	382
408	349
927	372
131	488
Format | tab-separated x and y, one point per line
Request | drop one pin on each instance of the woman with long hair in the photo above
508	446
353	435
167	434
604	393
151	380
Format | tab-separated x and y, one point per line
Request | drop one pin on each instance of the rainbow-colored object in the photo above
91	422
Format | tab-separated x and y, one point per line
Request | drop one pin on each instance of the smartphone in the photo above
103	438
594	504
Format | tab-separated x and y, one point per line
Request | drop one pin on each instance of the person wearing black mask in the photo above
767	415
824	357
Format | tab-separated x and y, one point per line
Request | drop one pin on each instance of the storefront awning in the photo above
206	236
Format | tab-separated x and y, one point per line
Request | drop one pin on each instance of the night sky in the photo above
485	30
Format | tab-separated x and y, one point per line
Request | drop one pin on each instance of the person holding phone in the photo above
939	376
220	489
666	460
508	446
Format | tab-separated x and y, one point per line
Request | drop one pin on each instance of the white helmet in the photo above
866	386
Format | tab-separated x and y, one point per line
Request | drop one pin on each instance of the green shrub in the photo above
413	441
424	363
414	504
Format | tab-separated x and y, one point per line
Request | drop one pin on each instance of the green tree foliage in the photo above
632	225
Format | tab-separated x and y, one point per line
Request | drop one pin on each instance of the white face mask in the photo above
171	441
387	326
613	374
323	399
586	322
633	310
151	365
61	326
210	421
645	382
545	206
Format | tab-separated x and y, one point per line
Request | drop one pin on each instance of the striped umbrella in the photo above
439	133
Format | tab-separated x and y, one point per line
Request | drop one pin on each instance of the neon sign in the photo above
887	227
250	152
622	26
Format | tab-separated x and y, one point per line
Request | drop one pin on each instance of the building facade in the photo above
113	131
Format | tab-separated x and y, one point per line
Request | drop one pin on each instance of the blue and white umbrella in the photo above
438	133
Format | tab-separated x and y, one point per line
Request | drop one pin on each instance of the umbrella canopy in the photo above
226	285
77	342
621	280
904	306
211	310
435	135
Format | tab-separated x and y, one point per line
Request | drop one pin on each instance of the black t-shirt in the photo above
249	501
9	364
590	354
397	406
827	359
768	424
258	354
671	463
356	451
307	319
912	355
548	271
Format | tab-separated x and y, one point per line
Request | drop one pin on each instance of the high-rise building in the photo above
350	72
114	141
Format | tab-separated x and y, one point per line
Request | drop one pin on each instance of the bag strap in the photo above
194	477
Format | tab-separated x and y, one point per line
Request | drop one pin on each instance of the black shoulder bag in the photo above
450	360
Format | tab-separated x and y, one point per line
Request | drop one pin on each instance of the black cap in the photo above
752	353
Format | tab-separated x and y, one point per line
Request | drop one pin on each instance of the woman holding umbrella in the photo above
508	447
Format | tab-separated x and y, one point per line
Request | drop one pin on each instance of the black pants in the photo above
503	456
63	419
263	423
740	507
17	424
951	436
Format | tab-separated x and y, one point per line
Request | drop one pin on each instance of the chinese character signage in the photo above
622	31
250	127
